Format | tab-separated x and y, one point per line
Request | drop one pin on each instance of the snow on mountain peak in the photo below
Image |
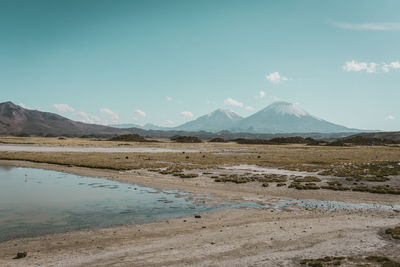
286	108
227	112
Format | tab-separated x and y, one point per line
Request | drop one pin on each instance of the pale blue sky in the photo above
103	58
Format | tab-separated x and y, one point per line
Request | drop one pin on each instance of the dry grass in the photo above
294	156
353	166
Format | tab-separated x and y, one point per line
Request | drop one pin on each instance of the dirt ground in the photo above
234	237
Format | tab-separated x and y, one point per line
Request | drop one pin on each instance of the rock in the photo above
20	255
197	216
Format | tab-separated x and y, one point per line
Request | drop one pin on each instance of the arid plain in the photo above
320	225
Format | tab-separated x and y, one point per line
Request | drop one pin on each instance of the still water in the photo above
36	201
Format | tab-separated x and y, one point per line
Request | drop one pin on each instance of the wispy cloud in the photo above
63	108
370	67
140	113
276	77
378	26
187	114
261	94
172	99
88	118
113	116
355	66
249	108
233	102
168	122
389	117
392	65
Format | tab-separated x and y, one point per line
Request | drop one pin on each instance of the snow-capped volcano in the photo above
286	108
279	117
218	120
284	117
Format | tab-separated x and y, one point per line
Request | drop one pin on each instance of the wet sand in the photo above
235	237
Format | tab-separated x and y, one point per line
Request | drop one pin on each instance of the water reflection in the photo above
6	168
35	201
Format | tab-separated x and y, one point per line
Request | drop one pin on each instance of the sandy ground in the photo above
236	237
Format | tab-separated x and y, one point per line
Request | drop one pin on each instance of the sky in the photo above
167	62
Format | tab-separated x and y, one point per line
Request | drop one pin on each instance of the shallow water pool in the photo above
36	201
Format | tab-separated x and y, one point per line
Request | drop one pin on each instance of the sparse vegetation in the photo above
394	232
217	140
361	173
234	179
129	138
307	186
273	178
328	260
350	261
186	139
307	179
378	189
188	175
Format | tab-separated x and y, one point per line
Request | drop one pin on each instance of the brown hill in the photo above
15	120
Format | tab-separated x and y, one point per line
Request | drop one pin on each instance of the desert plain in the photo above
298	234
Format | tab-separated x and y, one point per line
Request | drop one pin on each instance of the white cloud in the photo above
134	119
169	98
85	117
355	66
63	108
113	116
261	94
275	77
23	106
249	108
370	67
276	98
382	26
140	113
393	65
390	117
168	122
187	114
233	102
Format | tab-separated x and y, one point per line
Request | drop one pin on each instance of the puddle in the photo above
26	148
35	202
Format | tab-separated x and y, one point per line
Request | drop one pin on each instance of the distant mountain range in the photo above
279	117
147	126
15	120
